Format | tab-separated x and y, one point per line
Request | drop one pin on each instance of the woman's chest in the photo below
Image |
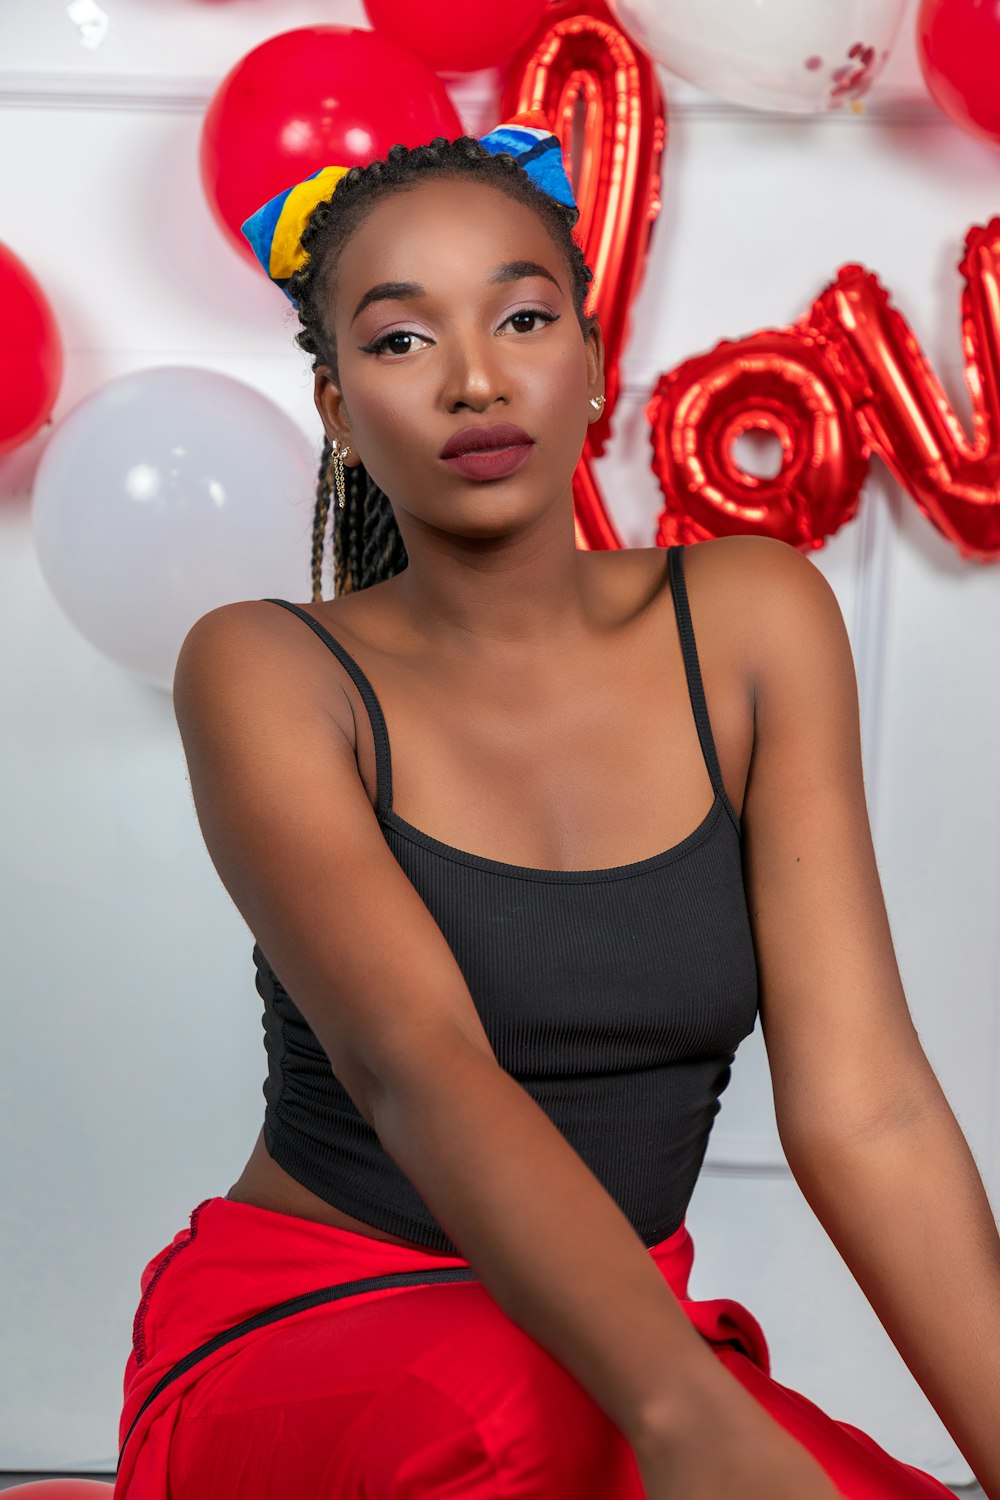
580	971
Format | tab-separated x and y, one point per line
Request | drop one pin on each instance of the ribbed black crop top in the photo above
616	997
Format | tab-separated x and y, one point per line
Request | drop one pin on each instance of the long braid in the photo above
368	546
323	497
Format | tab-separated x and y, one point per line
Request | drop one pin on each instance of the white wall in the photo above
133	1058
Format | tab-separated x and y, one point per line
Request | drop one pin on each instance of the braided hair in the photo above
367	544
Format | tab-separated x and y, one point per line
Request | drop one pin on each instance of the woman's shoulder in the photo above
761	613
364	620
279	660
776	612
725	562
761	584
748	560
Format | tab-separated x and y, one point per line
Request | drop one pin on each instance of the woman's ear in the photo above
329	401
595	366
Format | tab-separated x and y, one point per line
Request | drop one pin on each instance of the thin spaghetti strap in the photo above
696	690
383	760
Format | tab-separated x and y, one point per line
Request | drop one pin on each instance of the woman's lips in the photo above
489	463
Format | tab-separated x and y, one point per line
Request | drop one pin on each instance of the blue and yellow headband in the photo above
275	230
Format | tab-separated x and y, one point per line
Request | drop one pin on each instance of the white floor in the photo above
7	1481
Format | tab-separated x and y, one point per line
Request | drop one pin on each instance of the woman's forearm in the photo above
545	1238
907	1210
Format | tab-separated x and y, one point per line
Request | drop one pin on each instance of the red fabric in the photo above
417	1393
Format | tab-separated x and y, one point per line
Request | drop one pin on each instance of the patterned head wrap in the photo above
274	231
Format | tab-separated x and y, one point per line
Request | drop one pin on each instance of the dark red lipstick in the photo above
488	450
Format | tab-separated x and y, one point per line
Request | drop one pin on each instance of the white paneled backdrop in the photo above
132	1056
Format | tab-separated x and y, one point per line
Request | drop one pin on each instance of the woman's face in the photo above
484	332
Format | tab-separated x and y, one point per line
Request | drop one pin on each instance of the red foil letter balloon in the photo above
581	54
776	381
901	409
847	380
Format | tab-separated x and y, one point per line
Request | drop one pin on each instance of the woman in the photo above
523	944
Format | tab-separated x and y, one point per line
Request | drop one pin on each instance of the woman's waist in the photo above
241	1268
239	1258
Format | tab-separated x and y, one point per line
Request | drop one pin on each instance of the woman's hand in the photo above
726	1447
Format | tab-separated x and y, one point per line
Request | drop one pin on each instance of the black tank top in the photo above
617	998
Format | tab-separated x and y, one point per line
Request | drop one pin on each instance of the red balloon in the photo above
776	381
31	353
901	408
454	36
958	44
581	53
846	381
316	97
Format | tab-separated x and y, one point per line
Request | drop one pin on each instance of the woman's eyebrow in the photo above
399	291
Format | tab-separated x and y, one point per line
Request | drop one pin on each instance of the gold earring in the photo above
597	402
337	456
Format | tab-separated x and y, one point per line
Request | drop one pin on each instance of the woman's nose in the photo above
475	374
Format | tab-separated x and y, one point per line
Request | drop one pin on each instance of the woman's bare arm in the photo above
294	838
866	1128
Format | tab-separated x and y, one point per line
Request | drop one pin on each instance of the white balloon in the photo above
163	494
796	56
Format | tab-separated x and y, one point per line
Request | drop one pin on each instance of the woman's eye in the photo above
530	312
387	339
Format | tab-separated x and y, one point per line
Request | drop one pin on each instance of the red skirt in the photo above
255	1372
